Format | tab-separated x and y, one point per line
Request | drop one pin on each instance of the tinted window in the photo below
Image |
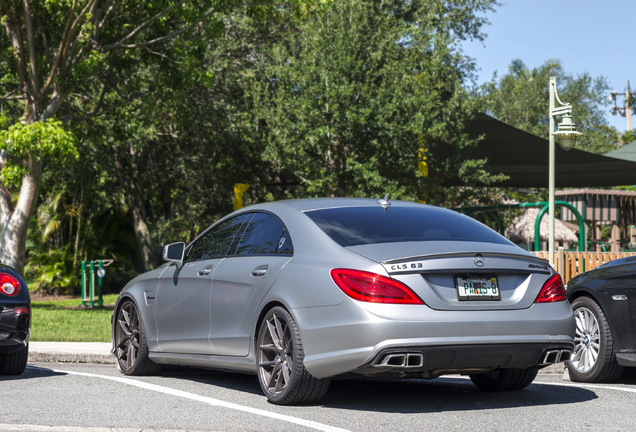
264	235
216	242
365	225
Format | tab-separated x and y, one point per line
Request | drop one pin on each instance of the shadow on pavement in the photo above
32	372
406	396
446	394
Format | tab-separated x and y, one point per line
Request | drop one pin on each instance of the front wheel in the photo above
504	379
593	359
14	363
131	348
281	372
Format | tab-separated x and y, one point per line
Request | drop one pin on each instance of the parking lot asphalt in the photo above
99	352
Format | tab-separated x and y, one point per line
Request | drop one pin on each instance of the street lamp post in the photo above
567	134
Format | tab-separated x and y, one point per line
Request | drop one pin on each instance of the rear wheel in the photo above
504	379
131	347
593	359
14	363
281	372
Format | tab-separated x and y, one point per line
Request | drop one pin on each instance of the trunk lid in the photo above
446	274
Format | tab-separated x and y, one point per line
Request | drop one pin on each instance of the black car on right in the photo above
604	304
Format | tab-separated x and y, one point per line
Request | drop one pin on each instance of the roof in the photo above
522	229
600	205
525	157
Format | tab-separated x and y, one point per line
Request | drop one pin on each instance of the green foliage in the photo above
520	98
51	272
628	137
35	142
343	103
297	98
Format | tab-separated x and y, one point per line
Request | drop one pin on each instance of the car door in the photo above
242	280
183	295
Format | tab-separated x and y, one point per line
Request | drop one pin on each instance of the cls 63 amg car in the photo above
300	292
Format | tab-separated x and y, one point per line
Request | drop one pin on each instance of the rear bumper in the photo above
431	362
14	331
355	338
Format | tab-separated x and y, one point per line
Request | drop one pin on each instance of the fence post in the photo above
561	262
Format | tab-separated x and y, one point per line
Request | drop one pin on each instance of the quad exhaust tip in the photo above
556	356
402	360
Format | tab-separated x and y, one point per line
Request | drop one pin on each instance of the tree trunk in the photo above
15	222
135	198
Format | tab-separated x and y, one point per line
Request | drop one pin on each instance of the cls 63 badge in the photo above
406	266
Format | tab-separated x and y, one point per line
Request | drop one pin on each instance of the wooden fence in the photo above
570	264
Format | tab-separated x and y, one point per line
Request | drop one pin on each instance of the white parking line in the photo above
207	400
590	386
42	428
571	384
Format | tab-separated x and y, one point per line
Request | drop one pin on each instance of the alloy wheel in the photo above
587	340
275	354
127	336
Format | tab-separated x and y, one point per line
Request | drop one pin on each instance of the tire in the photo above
281	372
131	348
15	362
505	379
593	359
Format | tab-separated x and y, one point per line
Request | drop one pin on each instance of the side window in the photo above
264	235
284	244
216	242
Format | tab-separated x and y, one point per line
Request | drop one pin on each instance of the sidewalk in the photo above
71	352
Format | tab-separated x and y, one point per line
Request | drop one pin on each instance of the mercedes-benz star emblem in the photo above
479	260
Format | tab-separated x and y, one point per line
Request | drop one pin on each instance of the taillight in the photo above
9	285
552	291
374	288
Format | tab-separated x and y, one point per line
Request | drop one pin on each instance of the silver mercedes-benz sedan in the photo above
300	292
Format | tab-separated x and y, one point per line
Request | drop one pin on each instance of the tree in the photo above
60	50
520	99
343	104
54	46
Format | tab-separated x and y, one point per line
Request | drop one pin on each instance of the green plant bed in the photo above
67	321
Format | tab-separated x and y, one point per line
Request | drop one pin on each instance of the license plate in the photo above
478	287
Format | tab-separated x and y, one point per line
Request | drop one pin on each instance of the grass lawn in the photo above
65	321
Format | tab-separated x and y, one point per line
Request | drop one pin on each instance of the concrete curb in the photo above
71	352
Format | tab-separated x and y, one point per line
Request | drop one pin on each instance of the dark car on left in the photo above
15	322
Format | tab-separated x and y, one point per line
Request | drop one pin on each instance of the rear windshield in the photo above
351	226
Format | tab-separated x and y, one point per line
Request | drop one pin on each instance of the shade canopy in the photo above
524	158
626	152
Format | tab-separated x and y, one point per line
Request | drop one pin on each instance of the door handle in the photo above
205	271
260	270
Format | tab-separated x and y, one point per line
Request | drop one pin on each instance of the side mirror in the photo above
174	253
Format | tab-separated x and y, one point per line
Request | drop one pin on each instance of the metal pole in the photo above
551	177
92	281
83	283
628	108
99	285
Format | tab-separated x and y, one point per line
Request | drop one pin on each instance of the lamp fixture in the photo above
567	133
